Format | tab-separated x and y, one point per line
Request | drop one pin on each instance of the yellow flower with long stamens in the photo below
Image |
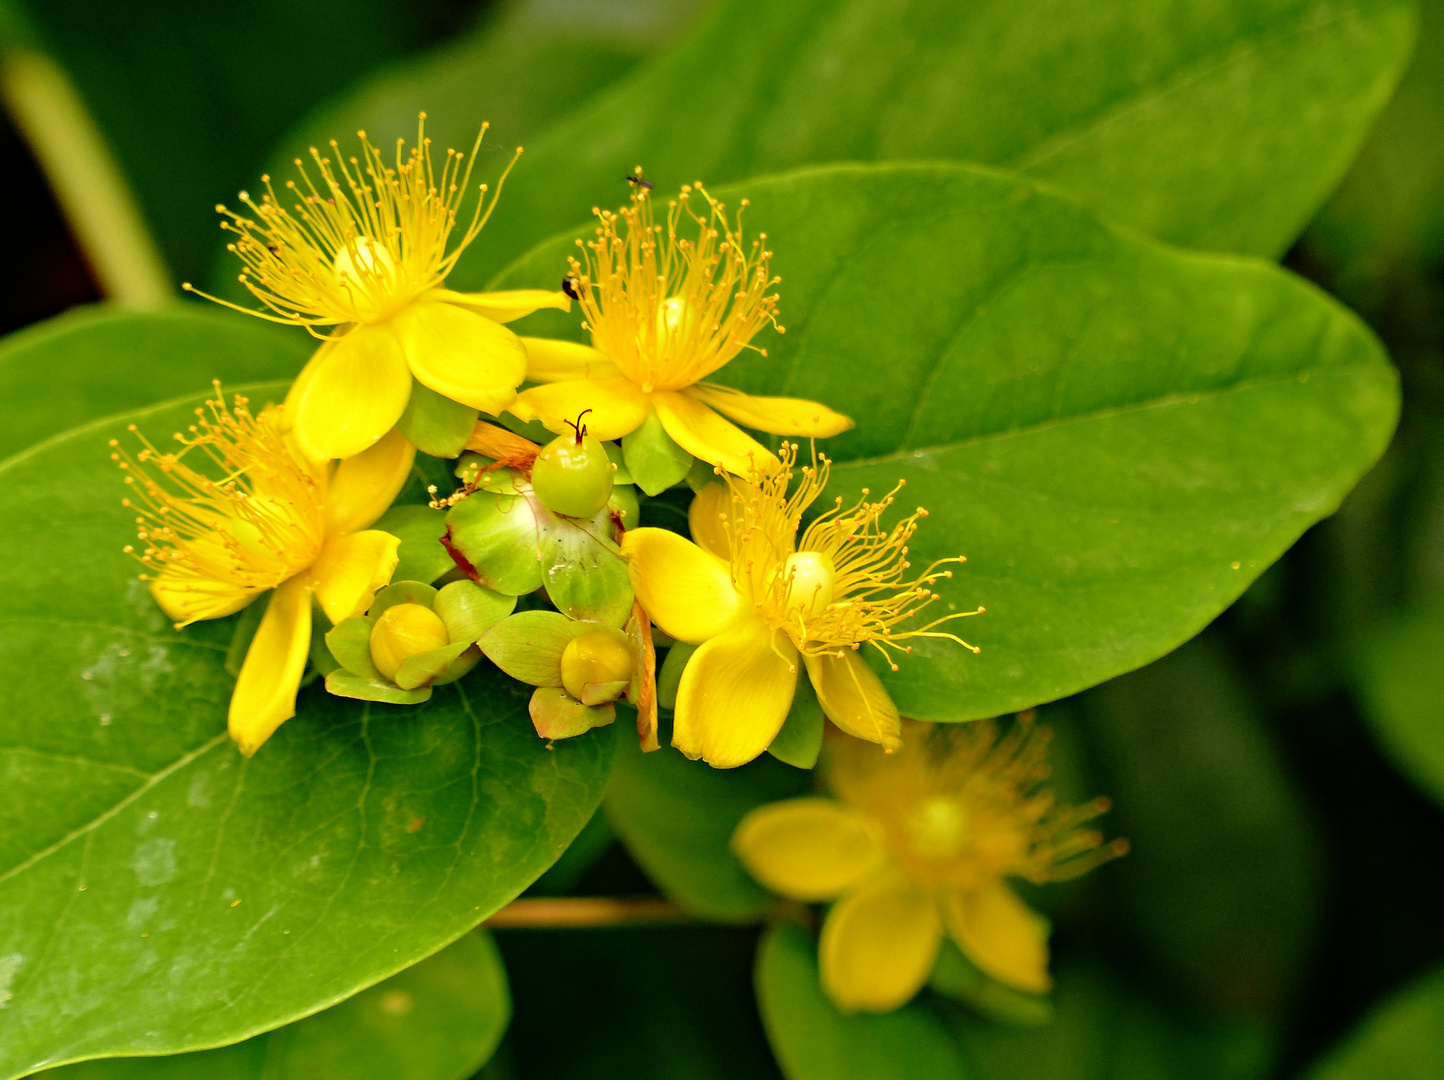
760	598
921	844
665	311
236	512
366	250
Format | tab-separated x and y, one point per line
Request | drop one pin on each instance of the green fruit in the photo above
573	476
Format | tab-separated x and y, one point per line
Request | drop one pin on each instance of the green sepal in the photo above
245	632
598	693
422	556
625	504
470	610
800	740
528	645
957	977
701	474
497	535
458	667
345	684
435	424
350	643
669	677
621	474
403	592
583	570
654	461
534	430
423	669
557	715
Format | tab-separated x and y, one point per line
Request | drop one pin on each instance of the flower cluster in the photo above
548	559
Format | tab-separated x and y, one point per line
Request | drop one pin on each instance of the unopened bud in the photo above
404	631
596	662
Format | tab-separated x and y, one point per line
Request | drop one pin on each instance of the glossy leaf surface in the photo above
1119	436
160	893
1402	691
1403	1039
438	1020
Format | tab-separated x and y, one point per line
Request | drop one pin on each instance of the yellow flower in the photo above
251	515
921	844
368	254
759	597
665	313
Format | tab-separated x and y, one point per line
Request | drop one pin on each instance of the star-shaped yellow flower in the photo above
368	253
921	843
251	515
665	311
762	600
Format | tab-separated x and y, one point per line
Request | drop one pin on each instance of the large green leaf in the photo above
160	893
1402	690
677	818
438	1020
1119	436
1221	124
1402	1040
1222	884
1103	1030
100	361
813	1041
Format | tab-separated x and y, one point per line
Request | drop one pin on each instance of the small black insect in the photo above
639	181
569	286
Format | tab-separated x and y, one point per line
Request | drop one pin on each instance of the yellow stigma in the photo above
843	583
362	240
403	631
232	513
961	807
669	309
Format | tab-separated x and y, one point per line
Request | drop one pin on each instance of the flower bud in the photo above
403	631
597	658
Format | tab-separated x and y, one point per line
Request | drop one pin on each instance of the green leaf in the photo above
350	643
557	715
402	592
100	361
1105	1031
346	684
469	611
421	554
1222	125
800	740
583	570
1403	1039
955	976
654	461
1223	880
434	424
669	677
360	840
438	1020
677	818
528	645
497	535
1119	436
1402	692
813	1041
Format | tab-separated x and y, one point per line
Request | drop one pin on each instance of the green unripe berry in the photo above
404	631
597	658
572	475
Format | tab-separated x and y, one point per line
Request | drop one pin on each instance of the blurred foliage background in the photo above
1281	777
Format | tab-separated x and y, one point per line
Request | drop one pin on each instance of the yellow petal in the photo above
350	569
1002	935
776	415
461	355
298	387
265	694
854	698
363	487
508	305
879	945
686	591
707	517
353	395
809	849
703	434
735	694
186	599
618	407
549	361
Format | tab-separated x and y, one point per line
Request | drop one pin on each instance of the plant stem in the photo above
85	178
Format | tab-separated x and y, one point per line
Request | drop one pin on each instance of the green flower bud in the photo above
596	662
572	475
